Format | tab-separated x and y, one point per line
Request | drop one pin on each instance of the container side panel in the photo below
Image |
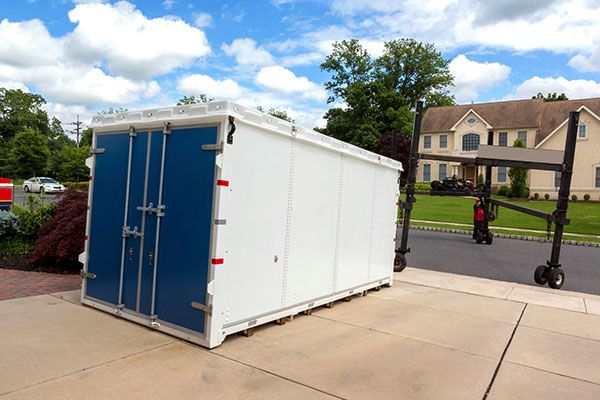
106	220
314	221
150	224
134	219
354	241
183	258
384	224
258	168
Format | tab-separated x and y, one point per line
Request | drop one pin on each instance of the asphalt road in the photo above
506	259
20	196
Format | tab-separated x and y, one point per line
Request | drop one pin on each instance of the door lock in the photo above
131	253
150	259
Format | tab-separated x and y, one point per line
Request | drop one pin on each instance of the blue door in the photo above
150	240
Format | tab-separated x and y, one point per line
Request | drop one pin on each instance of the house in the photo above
458	130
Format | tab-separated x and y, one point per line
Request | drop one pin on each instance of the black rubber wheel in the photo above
399	262
26	189
479	237
540	276
489	238
556	278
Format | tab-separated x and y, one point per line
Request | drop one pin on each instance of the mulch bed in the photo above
21	263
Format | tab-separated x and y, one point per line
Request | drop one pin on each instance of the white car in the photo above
42	185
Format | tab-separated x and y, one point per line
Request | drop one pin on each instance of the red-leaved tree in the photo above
61	240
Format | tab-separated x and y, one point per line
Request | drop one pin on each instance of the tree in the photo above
378	94
551	97
73	168
29	153
194	100
518	177
57	140
86	138
20	110
281	114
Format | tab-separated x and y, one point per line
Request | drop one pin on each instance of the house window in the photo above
503	139
582	131
557	176
426	142
443	141
443	171
426	172
471	121
523	136
470	142
501	174
598	177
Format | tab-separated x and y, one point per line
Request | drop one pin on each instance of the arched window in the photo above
470	142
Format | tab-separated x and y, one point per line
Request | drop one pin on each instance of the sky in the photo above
86	56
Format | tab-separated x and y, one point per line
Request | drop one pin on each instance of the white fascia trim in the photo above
487	125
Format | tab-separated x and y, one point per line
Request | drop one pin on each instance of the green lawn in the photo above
585	217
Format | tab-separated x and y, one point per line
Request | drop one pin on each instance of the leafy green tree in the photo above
194	100
20	110
73	168
86	138
551	97
29	153
518	177
281	114
57	140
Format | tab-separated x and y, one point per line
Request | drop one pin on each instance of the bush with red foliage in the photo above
61	240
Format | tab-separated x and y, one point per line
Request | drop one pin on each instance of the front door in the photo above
151	258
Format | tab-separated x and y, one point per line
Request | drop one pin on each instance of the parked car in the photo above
42	185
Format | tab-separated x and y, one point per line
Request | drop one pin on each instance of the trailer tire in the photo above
399	262
556	278
540	276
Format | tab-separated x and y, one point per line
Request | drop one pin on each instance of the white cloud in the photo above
472	77
280	79
247	54
27	43
196	84
14	85
203	20
131	44
574	89
68	113
168	4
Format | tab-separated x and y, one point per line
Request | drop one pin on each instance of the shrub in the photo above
547	196
502	190
574	197
587	197
33	214
424	186
61	239
14	246
536	196
9	224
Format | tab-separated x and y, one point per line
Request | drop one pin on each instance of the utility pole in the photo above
78	128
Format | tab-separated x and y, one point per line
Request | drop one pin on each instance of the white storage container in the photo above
210	219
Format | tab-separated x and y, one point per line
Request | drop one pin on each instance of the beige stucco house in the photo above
458	131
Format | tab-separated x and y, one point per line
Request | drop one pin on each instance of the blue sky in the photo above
85	56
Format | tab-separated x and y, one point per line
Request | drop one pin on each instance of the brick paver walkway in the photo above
14	283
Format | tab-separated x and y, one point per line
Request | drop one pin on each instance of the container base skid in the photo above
220	334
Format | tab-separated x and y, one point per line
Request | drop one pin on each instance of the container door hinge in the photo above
202	307
132	131
212	147
231	130
128	232
96	150
167	128
87	275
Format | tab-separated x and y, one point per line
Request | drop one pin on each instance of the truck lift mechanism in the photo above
494	156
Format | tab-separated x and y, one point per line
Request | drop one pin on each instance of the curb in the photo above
504	236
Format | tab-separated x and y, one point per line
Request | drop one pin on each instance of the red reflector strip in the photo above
222	183
86	237
217	261
90	177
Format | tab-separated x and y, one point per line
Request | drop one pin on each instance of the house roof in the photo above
513	114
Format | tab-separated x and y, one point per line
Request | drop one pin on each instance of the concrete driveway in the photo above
411	341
